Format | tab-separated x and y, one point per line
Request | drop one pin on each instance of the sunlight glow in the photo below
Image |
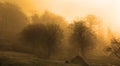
107	10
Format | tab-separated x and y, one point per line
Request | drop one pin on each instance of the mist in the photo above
106	10
65	32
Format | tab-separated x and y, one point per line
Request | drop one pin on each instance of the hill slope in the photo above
22	59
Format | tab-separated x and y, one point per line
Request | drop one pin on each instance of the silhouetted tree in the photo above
51	18
82	36
12	19
44	37
115	47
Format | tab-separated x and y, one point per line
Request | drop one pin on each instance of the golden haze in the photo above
107	10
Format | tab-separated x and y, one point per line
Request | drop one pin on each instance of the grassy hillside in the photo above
21	59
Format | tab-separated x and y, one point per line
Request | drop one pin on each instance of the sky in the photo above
106	10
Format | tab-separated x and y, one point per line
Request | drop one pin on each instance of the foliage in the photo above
82	35
115	47
47	18
86	34
47	37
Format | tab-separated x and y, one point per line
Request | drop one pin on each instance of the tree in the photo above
82	36
44	37
115	47
51	18
12	19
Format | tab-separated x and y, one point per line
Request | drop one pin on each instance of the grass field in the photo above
21	59
9	58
